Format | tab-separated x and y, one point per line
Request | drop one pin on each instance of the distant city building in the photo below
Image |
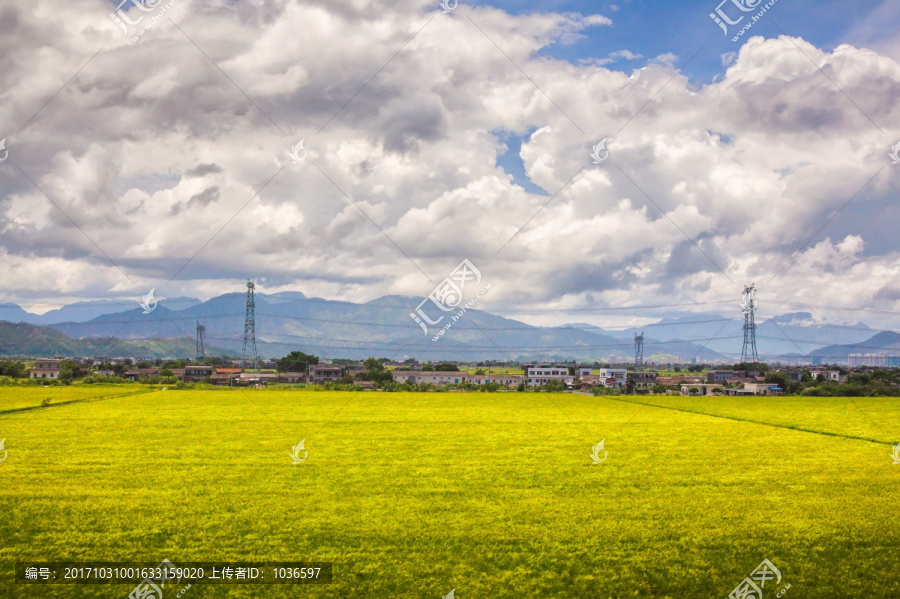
874	359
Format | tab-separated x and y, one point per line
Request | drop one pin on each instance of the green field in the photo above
412	495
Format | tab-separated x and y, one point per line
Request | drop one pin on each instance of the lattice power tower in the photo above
201	333
748	307
639	352
250	329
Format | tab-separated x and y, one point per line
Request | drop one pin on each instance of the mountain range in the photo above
383	327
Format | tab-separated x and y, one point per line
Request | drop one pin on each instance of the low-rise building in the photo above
256	378
828	375
508	380
198	373
643	377
325	373
721	376
447	377
620	376
431	377
46	369
541	374
702	389
678	380
762	388
291	377
724	376
137	374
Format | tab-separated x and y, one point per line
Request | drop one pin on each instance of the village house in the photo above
613	377
670	381
643	377
46	369
541	374
225	376
256	378
446	377
197	373
432	377
325	373
291	377
137	374
702	389
827	375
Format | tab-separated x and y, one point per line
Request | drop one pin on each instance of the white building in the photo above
619	374
439	377
541	374
46	369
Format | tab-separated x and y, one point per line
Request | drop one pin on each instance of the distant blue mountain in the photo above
381	327
290	320
86	311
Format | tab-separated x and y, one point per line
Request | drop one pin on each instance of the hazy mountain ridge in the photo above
382	327
28	340
290	320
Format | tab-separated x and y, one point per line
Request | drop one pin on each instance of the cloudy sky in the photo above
430	137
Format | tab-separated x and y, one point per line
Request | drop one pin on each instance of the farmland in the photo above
494	495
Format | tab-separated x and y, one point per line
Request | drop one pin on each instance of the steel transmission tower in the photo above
639	351
748	306
201	333
250	329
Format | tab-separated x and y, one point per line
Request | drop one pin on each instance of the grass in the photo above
27	396
411	495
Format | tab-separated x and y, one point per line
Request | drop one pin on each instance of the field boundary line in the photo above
71	401
738	419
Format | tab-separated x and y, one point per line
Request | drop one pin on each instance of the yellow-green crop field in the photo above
493	495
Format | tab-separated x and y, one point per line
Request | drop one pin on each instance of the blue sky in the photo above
684	27
648	30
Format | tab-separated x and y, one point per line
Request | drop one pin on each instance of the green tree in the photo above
447	367
554	385
778	378
296	361
14	370
69	371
